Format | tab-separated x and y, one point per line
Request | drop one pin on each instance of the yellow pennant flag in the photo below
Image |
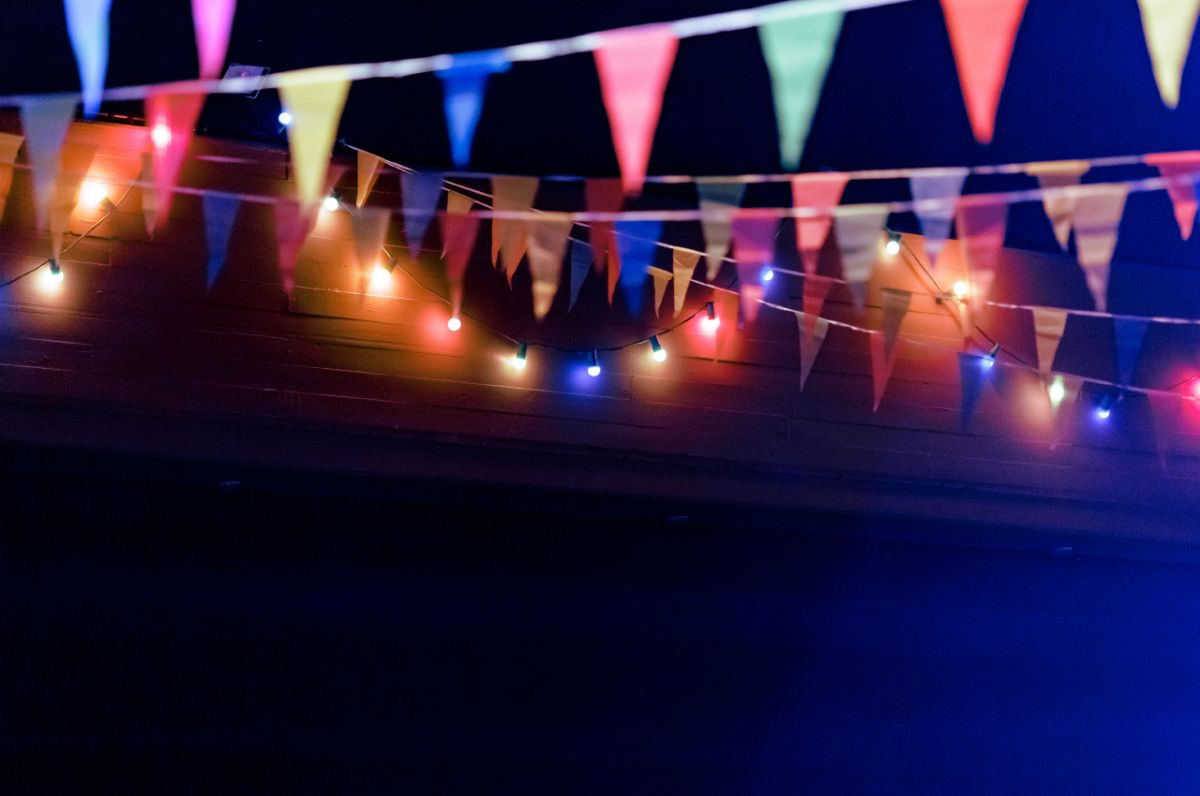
1059	205
9	144
1168	25
547	244
683	263
368	172
661	280
314	98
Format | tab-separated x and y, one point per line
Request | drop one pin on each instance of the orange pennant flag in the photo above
634	65
1098	211
292	225
10	144
812	336
1181	170
547	245
661	279
1059	205
821	191
1048	327
683	264
368	172
510	235
315	98
982	33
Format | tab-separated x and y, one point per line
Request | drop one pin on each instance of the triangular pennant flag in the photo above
10	144
634	65
727	311
315	98
718	198
1059	205
973	370
981	233
754	246
636	242
76	159
368	172
982	33
881	367
1061	391
171	119
45	121
614	268
816	289
1180	169
683	265
1098	210
292	224
1129	334
858	230
547	245
421	191
895	307
797	50
581	260
464	83
87	25
936	216
370	226
220	211
459	229
1164	409
750	291
602	196
213	20
812	336
661	279
509	235
823	192
146	177
1168	25
1048	326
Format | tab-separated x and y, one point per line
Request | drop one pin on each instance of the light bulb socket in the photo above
108	205
655	345
55	268
389	264
593	364
711	310
994	352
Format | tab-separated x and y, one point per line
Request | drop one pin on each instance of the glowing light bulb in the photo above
892	246
657	352
160	135
330	203
1104	408
593	365
518	359
710	321
56	272
768	273
961	289
454	324
93	193
381	279
1056	391
285	118
989	360
1196	386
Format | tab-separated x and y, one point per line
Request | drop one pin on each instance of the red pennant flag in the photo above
822	192
981	231
602	196
982	33
459	228
816	288
634	65
292	225
881	366
1181	170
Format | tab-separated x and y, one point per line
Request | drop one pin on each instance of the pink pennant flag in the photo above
459	229
754	247
634	65
1180	169
683	264
816	289
510	235
213	20
292	225
171	119
936	195
1059	205
859	228
602	196
369	225
881	366
547	246
812	336
661	279
982	33
1098	211
981	230
823	192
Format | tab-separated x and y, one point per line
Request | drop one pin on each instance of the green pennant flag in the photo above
798	50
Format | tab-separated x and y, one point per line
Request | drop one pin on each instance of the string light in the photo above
161	135
710	321
990	358
657	352
593	365
768	273
961	290
454	323
330	203
56	272
518	359
1056	391
285	118
1104	407
93	194
893	244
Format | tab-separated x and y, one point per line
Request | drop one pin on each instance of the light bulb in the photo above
518	359
1104	407
381	279
454	324
893	244
710	321
961	289
1056	391
593	365
330	203
657	352
93	193
768	273
160	135
56	272
285	118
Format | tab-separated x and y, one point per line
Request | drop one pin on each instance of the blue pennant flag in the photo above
636	242
464	83
581	263
1129	335
219	213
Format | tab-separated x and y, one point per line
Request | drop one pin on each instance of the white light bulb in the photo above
892	247
660	355
160	135
768	273
593	370
330	204
1057	392
285	118
93	193
454	324
961	289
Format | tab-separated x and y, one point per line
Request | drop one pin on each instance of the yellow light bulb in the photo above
93	193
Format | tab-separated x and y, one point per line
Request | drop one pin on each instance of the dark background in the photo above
306	633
